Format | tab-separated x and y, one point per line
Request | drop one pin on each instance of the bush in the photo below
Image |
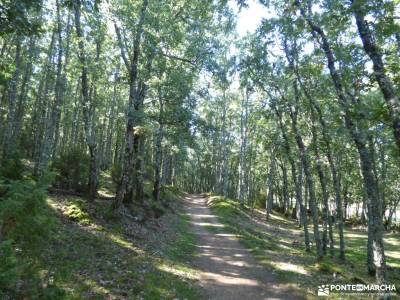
24	215
26	222
11	168
8	267
169	194
72	168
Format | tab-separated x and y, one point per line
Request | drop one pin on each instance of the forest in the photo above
164	150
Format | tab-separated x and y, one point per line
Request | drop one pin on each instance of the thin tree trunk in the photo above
125	184
49	136
327	221
270	195
158	149
8	142
297	181
86	105
373	51
375	226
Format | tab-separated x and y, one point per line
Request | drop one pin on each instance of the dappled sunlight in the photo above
227	268
96	288
393	254
354	235
201	216
95	228
226	234
105	193
287	266
221	248
393	241
207	224
179	270
278	245
229	280
226	260
117	239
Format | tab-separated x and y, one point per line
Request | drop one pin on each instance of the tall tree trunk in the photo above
23	95
309	181
327	221
332	165
110	124
270	195
385	83
158	148
8	142
297	181
49	136
375	226
286	204
86	106
125	185
243	147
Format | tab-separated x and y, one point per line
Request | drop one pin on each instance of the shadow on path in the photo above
228	270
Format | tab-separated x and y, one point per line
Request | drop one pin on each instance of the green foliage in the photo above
24	215
15	16
169	194
12	168
26	224
72	169
75	211
8	267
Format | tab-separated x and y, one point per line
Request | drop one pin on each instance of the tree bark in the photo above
158	148
375	226
86	106
125	184
8	142
372	49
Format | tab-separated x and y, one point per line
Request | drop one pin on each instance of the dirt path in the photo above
228	270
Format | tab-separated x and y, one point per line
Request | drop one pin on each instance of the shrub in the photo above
8	267
11	168
169	194
25	223
72	168
24	215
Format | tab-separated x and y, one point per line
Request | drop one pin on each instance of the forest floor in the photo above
90	255
277	246
202	247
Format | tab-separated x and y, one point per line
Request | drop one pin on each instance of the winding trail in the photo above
227	269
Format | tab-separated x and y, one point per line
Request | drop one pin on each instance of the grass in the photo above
278	246
90	257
